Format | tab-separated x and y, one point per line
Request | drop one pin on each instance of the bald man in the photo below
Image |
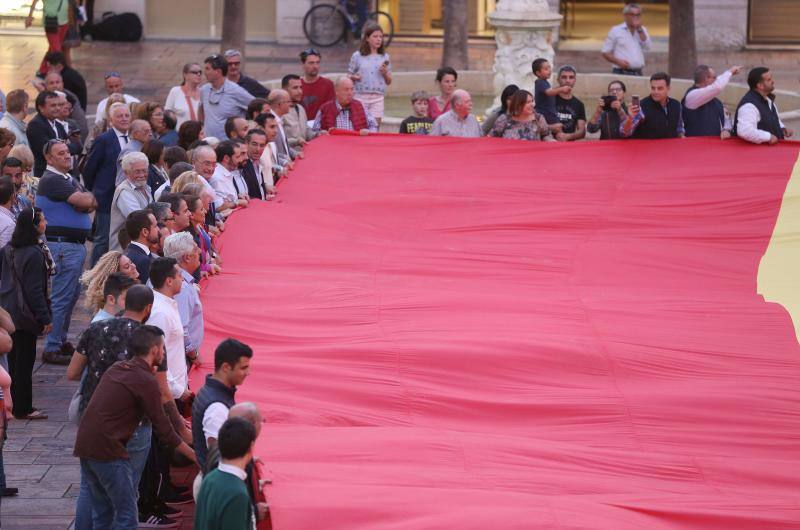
138	135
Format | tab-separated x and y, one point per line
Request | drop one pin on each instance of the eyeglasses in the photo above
196	72
309	51
236	63
108	75
215	97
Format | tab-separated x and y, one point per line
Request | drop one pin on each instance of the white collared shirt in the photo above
747	118
233	470
222	182
626	46
165	315
57	172
122	138
143	247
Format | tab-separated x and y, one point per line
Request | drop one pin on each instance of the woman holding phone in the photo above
610	113
371	71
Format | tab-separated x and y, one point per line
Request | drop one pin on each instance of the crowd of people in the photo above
151	185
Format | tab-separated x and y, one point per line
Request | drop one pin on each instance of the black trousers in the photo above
21	359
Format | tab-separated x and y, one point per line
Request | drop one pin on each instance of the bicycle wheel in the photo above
386	23
324	25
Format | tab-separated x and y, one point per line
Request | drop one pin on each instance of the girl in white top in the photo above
184	100
371	71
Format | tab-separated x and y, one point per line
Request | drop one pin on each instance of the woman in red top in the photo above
446	78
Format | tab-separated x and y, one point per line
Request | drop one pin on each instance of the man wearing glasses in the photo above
235	74
627	42
114	85
220	98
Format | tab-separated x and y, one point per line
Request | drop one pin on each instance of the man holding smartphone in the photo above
656	116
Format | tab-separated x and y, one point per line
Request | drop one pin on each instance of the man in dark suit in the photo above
142	228
251	172
100	173
43	127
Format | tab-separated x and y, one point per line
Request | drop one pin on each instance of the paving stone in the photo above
25	472
27	522
23	506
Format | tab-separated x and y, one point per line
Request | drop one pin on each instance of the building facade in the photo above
720	24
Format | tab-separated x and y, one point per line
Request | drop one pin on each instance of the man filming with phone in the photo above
656	116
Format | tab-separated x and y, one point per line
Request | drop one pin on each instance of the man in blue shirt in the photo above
66	206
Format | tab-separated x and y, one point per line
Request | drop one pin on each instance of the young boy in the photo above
545	95
419	123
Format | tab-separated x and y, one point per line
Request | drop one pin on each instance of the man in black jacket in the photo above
43	127
142	229
658	116
236	75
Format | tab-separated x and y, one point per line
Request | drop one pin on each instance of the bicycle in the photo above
328	24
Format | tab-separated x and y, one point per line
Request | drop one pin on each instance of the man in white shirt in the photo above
204	159
131	195
114	85
703	112
167	281
280	103
757	119
229	157
627	42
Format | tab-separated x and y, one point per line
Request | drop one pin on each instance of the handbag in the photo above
51	22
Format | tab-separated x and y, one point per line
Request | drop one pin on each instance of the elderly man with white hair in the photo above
132	194
458	121
184	250
204	160
345	112
280	103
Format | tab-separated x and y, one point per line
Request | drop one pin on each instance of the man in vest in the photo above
66	205
216	397
658	115
756	117
703	112
345	112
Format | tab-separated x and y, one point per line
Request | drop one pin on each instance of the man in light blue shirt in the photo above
220	98
184	250
117	284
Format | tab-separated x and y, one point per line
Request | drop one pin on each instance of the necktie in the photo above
125	137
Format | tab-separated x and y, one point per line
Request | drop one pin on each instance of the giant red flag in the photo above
490	334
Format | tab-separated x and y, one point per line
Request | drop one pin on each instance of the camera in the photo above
607	101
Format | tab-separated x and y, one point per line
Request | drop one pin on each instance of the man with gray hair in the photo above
280	103
458	121
184	250
204	159
138	135
627	42
236	75
703	112
345	112
132	194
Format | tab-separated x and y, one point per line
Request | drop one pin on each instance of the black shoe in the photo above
156	521
9	492
178	498
165	510
56	357
67	349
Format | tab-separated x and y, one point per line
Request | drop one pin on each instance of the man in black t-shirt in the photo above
419	122
569	109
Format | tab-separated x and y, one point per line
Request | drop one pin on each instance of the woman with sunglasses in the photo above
184	100
28	303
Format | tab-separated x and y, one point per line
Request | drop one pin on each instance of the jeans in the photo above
138	447
113	497
625	71
21	359
69	258
102	228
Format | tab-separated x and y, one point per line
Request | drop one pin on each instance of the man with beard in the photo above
229	158
132	194
142	228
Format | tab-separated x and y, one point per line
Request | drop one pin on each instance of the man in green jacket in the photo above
223	502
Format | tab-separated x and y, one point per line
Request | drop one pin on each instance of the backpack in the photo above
125	27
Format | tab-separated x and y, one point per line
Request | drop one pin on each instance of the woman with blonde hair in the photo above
94	280
184	179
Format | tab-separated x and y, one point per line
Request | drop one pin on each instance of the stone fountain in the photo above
523	31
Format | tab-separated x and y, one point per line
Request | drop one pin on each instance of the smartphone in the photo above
635	100
385	63
607	101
